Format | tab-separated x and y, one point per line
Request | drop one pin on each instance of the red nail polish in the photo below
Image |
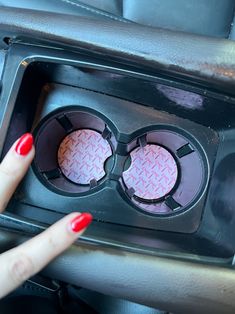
24	144
80	222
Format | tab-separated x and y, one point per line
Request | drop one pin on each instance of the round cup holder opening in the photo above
163	172
74	151
152	174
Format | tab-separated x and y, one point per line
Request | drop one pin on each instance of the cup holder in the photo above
153	172
74	151
163	172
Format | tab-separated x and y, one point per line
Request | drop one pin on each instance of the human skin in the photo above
22	262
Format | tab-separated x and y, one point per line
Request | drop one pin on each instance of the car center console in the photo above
151	158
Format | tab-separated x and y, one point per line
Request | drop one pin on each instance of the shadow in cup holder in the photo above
163	172
74	151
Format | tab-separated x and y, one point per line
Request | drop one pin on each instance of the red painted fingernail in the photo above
80	222
24	144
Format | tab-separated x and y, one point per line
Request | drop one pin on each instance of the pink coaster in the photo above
153	172
82	154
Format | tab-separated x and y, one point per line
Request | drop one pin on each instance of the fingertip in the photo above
80	222
24	144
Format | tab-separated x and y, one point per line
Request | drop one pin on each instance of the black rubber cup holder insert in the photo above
153	172
163	172
74	151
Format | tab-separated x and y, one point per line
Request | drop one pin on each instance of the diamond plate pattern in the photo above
82	154
153	172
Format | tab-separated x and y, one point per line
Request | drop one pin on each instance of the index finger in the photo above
14	166
22	262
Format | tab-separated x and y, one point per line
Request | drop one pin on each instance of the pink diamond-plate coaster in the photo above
153	172
82	154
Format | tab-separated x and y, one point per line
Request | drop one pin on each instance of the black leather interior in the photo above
202	17
66	7
137	44
207	59
211	18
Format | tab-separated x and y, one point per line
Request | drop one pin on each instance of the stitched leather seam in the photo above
94	11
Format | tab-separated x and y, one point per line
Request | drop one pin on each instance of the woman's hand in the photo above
24	261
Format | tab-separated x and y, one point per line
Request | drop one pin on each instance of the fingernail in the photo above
80	222
24	144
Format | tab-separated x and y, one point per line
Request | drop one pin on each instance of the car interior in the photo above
132	107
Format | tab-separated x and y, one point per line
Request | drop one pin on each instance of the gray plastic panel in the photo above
174	285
